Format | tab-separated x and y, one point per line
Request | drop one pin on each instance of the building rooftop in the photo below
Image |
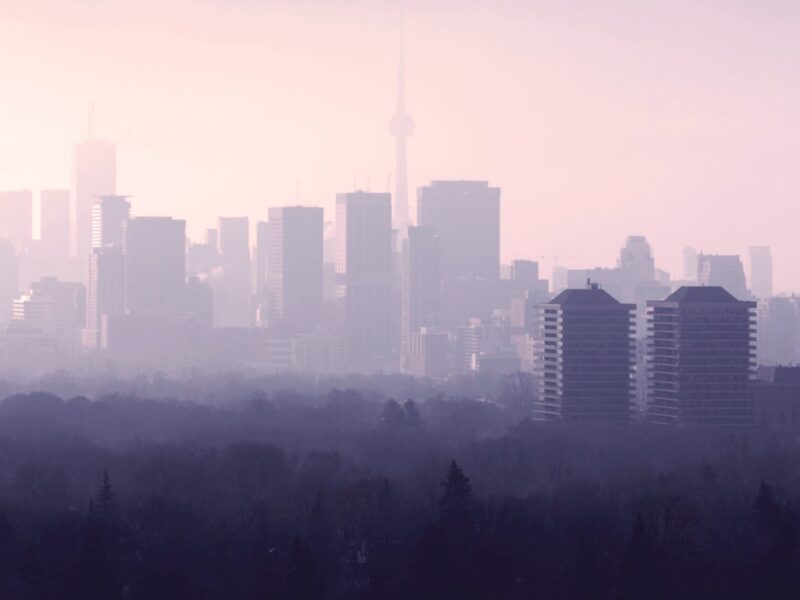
591	295
711	293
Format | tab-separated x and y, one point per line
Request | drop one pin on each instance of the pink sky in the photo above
677	120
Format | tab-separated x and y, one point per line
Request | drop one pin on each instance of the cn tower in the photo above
402	127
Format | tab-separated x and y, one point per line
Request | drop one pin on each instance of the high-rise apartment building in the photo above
584	357
364	277
466	217
295	268
701	358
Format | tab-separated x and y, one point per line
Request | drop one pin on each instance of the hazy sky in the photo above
675	119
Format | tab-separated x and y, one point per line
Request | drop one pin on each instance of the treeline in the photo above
349	494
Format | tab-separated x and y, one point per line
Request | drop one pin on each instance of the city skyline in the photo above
695	161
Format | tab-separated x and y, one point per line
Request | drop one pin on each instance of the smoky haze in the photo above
597	121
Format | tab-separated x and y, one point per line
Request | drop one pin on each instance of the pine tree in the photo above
303	579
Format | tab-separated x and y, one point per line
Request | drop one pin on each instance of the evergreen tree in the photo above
303	579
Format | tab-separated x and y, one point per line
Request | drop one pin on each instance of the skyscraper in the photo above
105	292
95	175
636	259
155	257
761	271
466	216
701	351
232	292
295	267
109	215
584	357
54	221
402	127
779	331
421	287
261	254
364	276
723	270
690	264
16	217
9	279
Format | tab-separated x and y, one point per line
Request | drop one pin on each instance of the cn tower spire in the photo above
402	127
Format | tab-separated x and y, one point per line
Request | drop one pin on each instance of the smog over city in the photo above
399	299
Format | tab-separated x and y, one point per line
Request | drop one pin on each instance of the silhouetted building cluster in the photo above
368	289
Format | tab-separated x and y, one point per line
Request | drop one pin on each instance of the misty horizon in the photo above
596	124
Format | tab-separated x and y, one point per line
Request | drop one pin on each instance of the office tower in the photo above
428	353
525	280
95	175
690	264
54	219
105	293
402	127
9	279
761	271
16	218
232	290
261	254
701	350
364	276
155	257
723	270
109	216
53	308
203	258
294	268
585	357
560	278
636	259
466	216
778	331
421	285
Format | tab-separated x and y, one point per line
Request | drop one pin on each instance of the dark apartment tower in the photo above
421	286
95	175
466	216
232	293
295	268
54	223
723	270
585	357
364	277
701	358
155	256
761	271
16	218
